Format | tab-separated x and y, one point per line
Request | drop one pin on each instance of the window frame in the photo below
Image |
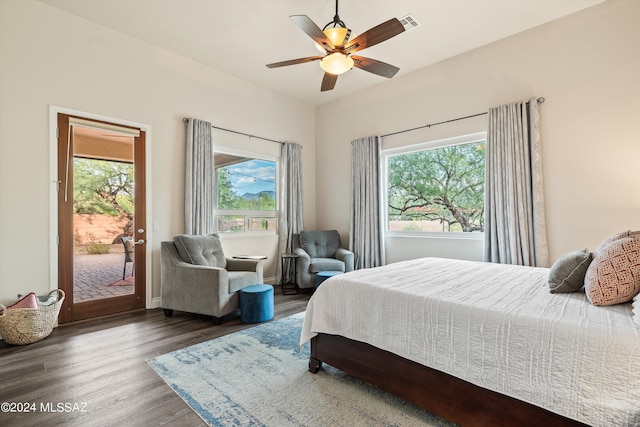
428	145
247	213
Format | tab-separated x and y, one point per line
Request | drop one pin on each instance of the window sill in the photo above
247	235
443	235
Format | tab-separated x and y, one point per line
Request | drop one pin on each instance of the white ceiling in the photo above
241	36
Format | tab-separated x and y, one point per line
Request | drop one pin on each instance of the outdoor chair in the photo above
128	244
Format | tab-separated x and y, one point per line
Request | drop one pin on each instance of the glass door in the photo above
101	218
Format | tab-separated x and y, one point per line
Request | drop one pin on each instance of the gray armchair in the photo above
196	277
319	251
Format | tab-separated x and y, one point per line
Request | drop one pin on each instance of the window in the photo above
246	193
436	187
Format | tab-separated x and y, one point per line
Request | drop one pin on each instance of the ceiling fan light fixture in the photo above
337	35
337	63
333	42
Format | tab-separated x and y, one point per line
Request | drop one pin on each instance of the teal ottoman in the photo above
321	276
256	303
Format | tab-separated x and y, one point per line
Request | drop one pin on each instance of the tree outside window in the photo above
103	187
437	189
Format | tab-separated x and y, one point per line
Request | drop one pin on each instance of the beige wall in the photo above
52	58
586	65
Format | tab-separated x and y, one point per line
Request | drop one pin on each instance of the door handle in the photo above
140	242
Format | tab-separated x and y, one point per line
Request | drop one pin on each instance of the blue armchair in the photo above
319	251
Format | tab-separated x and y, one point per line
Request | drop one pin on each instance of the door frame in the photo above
53	194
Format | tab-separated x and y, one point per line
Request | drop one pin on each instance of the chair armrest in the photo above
345	256
303	262
199	275
303	257
235	264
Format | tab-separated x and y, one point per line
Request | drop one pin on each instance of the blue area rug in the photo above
259	377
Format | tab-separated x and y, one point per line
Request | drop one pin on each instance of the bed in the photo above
479	343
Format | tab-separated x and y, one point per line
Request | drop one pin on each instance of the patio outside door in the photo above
101	217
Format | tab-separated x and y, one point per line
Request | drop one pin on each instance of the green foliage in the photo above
98	249
229	199
226	194
103	187
444	184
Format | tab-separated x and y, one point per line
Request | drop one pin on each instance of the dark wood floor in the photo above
94	373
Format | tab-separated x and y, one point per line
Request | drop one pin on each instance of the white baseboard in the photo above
156	302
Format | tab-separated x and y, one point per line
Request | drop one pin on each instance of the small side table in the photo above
253	257
321	276
289	286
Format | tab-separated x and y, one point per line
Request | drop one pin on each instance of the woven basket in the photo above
21	326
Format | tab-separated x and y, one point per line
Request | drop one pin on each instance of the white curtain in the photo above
199	193
290	220
366	223
515	229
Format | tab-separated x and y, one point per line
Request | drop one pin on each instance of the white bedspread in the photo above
495	326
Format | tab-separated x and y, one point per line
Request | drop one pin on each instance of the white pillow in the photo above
635	308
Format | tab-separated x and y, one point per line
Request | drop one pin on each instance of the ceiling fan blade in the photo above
374	66
328	82
375	35
294	61
312	30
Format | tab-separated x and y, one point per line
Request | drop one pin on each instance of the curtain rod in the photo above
241	133
540	101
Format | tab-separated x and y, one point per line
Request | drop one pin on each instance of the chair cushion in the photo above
241	279
320	244
325	264
201	250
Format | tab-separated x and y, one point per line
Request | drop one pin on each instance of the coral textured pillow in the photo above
28	301
614	274
567	273
615	237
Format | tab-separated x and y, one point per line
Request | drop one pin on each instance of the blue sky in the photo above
253	176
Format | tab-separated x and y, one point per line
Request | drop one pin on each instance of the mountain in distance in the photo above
256	196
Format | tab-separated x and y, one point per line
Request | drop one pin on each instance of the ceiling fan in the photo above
338	58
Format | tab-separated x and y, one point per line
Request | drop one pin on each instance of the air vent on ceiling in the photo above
409	22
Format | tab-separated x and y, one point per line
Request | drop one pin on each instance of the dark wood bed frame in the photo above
449	397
